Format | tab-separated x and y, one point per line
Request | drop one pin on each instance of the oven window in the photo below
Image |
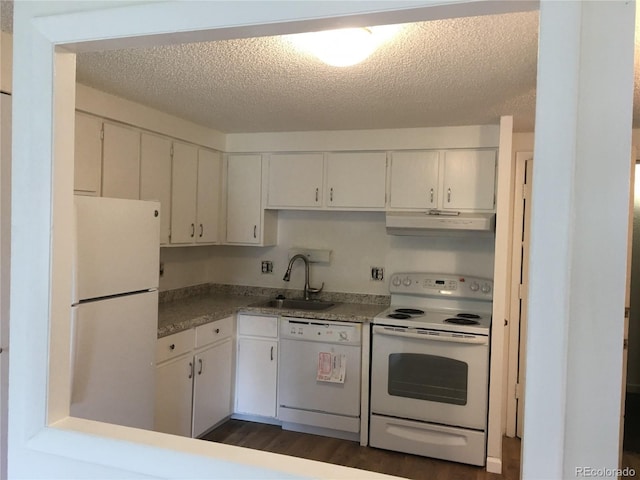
428	377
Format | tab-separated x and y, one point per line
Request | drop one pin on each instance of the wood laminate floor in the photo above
273	439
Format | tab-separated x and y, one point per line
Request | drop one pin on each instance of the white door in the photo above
120	162
356	180
208	196
469	179
211	387
414	180
256	380
155	178
88	155
184	183
174	380
295	180
114	351
244	199
5	257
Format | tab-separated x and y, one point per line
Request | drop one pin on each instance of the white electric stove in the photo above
430	367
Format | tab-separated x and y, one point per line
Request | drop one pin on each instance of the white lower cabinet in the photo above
257	366
194	379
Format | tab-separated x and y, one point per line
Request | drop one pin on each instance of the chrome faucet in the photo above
307	288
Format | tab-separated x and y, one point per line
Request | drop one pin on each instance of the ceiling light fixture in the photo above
346	46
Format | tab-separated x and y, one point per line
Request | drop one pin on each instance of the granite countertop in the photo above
187	308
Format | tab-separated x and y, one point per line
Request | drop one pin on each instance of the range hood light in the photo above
346	46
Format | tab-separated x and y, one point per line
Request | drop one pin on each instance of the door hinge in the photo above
520	289
625	344
517	394
627	312
102	132
171	151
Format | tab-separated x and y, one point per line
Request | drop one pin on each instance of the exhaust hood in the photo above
439	222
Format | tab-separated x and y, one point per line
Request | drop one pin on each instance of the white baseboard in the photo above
494	465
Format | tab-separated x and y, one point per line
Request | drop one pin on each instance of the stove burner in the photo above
468	315
410	311
461	321
399	316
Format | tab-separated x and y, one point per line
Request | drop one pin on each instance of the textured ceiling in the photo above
446	72
449	72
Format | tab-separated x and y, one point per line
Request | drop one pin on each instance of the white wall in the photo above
6	55
358	241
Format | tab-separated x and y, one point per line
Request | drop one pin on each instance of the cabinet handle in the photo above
217	330
272	353
431	196
201	230
200	369
255	231
193	230
316	194
190	369
172	346
331	195
448	195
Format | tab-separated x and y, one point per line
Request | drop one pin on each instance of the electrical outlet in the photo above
377	273
267	266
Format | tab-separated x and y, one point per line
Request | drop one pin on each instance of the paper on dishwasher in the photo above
331	367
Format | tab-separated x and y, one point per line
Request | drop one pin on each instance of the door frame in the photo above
513	364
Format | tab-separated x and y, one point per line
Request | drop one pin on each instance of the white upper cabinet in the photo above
469	179
184	194
246	220
414	180
295	180
121	162
356	180
155	178
195	195
88	155
208	198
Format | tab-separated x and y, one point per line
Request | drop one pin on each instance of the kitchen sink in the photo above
293	304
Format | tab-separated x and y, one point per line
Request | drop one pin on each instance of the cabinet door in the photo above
244	199
295	180
356	180
212	387
173	396
88	155
469	179
208	197
184	182
121	162
256	377
155	178
414	180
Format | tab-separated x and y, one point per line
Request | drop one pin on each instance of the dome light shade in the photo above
346	46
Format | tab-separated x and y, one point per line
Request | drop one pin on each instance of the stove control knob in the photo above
486	288
343	336
474	287
407	282
396	281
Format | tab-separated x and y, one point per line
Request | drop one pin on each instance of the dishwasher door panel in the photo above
299	388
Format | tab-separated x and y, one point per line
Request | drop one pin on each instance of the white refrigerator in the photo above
115	310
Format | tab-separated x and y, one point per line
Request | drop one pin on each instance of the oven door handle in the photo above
467	338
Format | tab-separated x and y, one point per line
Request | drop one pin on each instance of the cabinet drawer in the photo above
258	325
214	331
175	345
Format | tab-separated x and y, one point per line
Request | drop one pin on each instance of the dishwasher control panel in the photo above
320	331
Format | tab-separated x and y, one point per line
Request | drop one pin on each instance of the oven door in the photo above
429	375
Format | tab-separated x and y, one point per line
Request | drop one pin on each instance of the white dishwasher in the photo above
319	377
